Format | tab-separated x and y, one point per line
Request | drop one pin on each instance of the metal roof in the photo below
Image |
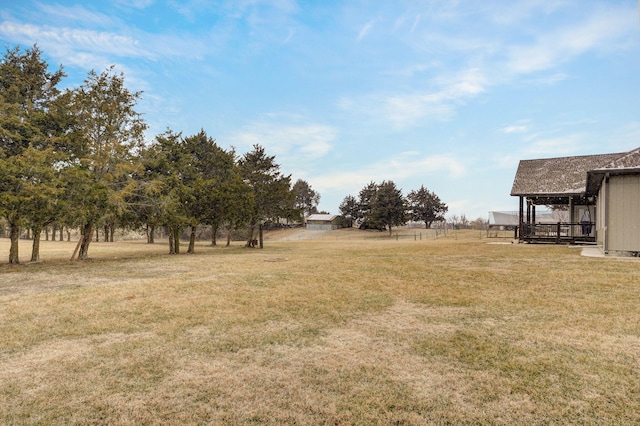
513	218
322	217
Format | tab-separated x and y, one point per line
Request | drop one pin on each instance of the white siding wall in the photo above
320	227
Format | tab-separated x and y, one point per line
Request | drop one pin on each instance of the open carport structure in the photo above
576	185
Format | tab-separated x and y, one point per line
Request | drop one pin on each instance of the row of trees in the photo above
78	158
383	206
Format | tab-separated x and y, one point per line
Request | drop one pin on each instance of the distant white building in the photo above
510	220
322	222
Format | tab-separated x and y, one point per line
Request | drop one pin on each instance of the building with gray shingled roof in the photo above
608	184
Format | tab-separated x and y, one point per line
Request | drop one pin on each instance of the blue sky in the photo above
446	94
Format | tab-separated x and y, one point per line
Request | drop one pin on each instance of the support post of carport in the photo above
533	213
528	224
521	219
571	215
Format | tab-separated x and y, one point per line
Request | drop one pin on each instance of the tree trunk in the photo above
176	239
97	235
75	251
106	233
228	237
214	233
46	233
261	238
68	234
13	250
169	231
252	229
54	228
86	237
35	248
112	230
192	240
151	230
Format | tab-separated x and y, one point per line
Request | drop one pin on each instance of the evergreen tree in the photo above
27	89
163	189
349	210
388	206
107	134
306	199
271	191
214	171
364	215
426	206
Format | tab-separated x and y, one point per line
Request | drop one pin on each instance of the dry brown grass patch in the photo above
410	332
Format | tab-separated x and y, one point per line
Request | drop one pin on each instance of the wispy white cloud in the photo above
401	167
84	60
261	15
67	14
514	13
287	6
531	47
469	82
365	29
560	139
506	161
570	144
291	142
416	22
406	110
547	79
521	126
77	45
57	39
411	164
551	49
409	70
625	137
514	129
137	4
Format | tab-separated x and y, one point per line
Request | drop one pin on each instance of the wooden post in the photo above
520	219
528	229
571	215
533	213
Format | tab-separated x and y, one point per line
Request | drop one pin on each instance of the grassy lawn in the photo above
446	331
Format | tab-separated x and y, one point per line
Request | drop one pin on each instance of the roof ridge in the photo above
578	156
620	161
566	175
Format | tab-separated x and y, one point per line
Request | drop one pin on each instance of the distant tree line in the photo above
461	222
383	206
77	159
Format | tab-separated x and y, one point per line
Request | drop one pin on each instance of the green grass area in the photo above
436	331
